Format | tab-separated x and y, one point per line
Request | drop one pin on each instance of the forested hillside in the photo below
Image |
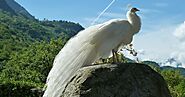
17	32
27	50
174	77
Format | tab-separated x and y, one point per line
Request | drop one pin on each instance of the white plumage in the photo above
87	46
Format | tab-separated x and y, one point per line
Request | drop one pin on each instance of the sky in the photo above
162	36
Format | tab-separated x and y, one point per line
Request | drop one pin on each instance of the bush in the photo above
19	90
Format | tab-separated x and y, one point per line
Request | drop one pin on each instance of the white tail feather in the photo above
75	54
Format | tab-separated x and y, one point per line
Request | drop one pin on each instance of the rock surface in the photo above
112	80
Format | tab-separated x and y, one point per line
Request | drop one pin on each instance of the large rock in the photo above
112	80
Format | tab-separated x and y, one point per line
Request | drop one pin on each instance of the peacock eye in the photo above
134	9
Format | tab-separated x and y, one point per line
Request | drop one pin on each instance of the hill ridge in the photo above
14	8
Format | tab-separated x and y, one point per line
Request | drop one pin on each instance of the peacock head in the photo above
134	9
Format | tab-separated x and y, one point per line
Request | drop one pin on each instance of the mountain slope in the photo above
5	7
28	44
17	32
14	8
157	67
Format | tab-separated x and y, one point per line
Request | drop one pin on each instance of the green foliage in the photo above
29	67
175	81
27	50
180	88
19	89
173	76
17	32
32	64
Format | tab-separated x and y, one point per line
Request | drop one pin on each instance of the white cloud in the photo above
178	53
159	44
180	32
141	52
163	43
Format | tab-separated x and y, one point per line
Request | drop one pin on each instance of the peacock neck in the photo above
135	21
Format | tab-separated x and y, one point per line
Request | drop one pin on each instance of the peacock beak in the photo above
137	9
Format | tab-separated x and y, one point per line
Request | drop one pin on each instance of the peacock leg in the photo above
113	56
117	56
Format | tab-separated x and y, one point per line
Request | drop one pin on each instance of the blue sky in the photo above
158	39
